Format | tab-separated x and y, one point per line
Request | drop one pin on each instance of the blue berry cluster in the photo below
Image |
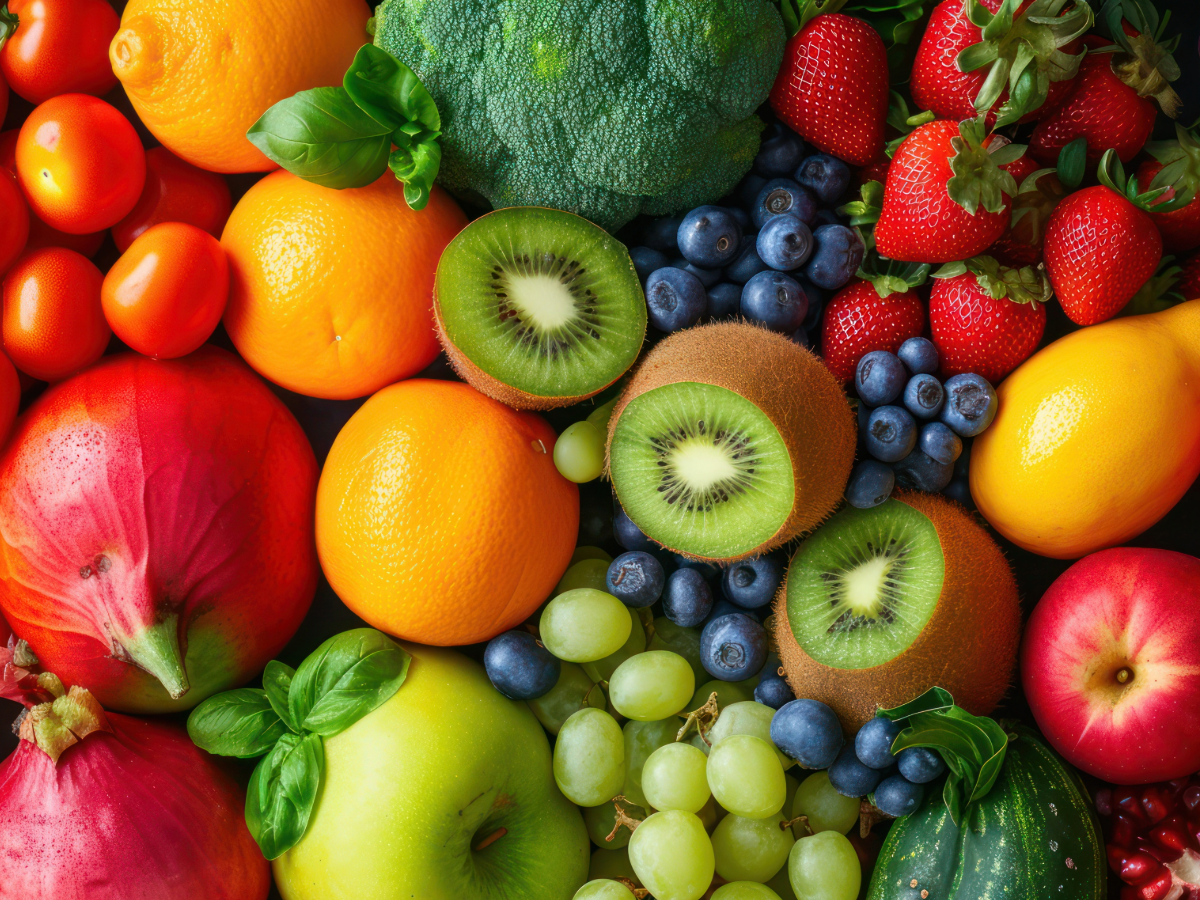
913	425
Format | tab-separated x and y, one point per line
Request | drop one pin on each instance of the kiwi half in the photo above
538	308
882	604
728	441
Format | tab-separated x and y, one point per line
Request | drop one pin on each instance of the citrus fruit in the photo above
440	515
331	291
200	74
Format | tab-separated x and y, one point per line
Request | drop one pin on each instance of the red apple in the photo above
1111	665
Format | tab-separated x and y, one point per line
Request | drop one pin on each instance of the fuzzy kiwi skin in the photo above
968	646
795	390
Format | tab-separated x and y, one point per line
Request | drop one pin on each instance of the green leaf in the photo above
237	723
933	699
8	23
277	681
345	678
283	791
323	137
389	91
866	210
1072	163
417	167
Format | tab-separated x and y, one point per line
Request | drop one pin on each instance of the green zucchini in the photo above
1033	836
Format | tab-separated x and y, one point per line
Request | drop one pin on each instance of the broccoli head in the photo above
607	108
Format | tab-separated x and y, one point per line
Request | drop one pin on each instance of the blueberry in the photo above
873	743
706	569
836	258
724	300
662	234
959	490
675	299
724	607
779	153
897	796
920	765
646	260
709	236
891	433
781	196
752	583
825	175
774	300
801	339
629	535
809	732
970	404
747	264
773	691
923	396
851	778
635	578
827	217
940	443
923	472
816	304
746	193
740	216
687	599
879	378
920	355
733	647
707	277
870	484
784	243
519	667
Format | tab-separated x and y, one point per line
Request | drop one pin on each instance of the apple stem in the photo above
490	839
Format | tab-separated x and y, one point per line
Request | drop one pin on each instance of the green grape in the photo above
672	855
589	758
579	452
792	786
782	885
584	625
600	820
603	889
681	640
751	849
825	808
746	777
742	890
642	739
586	551
601	414
602	669
611	864
747	717
727	693
674	778
823	866
587	573
571	693
652	685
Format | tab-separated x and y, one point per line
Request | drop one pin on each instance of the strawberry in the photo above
972	49
1040	191
1102	246
986	318
938	180
832	88
1175	167
865	317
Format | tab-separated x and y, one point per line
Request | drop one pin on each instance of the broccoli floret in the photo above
607	108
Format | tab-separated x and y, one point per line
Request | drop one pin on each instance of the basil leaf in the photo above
345	678
417	168
933	699
283	791
236	723
323	137
277	681
389	91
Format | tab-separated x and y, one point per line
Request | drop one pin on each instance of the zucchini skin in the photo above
1034	836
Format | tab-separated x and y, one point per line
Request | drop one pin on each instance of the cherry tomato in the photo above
167	293
53	324
175	191
8	149
59	47
3	99
10	396
14	221
80	163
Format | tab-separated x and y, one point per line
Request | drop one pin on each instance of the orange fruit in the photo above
331	292
440	516
200	74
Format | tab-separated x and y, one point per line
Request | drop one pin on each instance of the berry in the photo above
1152	835
785	243
647	260
923	396
920	765
747	264
635	578
707	277
970	404
752	583
873	743
870	484
724	607
940	443
741	217
746	193
773	690
808	731
675	299
774	300
851	778
959	490
837	257
780	152
858	321
922	472
800	338
709	236
824	175
706	569
891	433
687	599
919	355
519	667
879	378
724	300
897	796
782	196
662	234
733	647
629	535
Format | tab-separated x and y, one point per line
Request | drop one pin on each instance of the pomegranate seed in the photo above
1157	888
1124	830
1125	799
1191	797
1156	804
1137	867
1171	834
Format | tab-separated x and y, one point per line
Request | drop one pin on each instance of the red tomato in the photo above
10	396
53	324
167	293
8	149
59	47
80	163
3	99
175	191
14	222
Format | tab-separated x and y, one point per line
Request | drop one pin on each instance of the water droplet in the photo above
1054	845
85	572
1054	809
103	563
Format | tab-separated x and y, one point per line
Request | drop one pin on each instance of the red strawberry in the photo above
1021	244
1101	246
939	178
1188	285
1175	167
876	171
832	88
954	62
985	318
858	320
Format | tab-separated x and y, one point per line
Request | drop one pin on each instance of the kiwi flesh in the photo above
881	604
538	308
729	441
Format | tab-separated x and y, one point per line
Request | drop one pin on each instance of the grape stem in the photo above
703	718
637	892
623	818
803	820
868	816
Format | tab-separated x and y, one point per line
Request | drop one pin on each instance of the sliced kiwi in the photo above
864	586
538	307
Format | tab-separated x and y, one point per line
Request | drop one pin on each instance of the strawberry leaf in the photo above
1072	163
1143	60
978	179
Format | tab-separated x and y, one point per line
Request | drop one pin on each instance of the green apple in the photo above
445	792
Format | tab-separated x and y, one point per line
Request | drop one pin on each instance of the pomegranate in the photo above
1152	837
156	529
